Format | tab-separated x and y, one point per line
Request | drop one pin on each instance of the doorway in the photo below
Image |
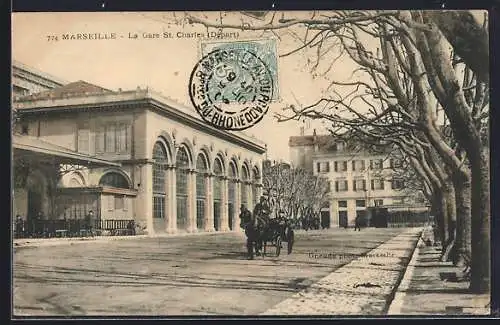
325	219
230	212
217	215
343	219
34	203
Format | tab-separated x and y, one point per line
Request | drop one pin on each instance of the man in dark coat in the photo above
89	222
261	212
357	223
247	222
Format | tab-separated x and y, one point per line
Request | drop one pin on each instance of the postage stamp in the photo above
231	88
265	49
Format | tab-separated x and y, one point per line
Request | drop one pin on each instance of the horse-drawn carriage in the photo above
261	229
276	232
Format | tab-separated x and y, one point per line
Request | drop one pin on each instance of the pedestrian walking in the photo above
357	223
89	222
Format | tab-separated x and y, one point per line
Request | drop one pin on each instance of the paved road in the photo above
190	275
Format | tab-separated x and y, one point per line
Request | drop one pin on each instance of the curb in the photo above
39	242
395	303
364	286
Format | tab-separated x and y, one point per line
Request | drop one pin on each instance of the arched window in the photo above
159	192
218	171
201	169
231	193
182	164
244	192
114	179
256	180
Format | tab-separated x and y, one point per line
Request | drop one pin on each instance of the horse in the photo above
256	230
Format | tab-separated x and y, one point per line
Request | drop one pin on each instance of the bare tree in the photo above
405	81
293	190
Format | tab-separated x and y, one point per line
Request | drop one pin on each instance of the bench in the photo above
117	227
121	232
61	232
86	233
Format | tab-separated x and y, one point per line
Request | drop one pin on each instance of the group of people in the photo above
32	226
38	225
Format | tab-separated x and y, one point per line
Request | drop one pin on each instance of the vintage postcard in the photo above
261	163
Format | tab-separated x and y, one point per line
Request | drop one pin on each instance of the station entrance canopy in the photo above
29	148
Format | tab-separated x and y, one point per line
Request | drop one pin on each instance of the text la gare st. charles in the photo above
214	34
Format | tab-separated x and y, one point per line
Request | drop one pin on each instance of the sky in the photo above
163	65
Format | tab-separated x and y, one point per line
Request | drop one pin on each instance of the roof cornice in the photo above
136	99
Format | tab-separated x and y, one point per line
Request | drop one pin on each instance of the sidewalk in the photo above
365	286
423	292
37	242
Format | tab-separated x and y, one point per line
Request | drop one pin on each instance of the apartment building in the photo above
358	179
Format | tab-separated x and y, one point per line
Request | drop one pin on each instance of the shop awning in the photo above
29	147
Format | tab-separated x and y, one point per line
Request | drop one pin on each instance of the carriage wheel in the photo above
278	245
291	238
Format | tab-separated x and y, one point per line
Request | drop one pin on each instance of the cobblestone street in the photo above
187	275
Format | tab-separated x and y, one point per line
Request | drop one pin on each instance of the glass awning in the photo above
29	147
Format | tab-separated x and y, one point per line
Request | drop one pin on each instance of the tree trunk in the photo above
463	201
440	203
450	221
468	38
480	259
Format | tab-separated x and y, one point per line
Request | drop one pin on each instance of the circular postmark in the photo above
231	88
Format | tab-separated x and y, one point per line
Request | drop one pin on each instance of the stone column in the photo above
171	224
249	196
209	204
144	200
334	214
192	201
224	206
237	205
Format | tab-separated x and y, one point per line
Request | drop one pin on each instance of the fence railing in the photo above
72	228
407	219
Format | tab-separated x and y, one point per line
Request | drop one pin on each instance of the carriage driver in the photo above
261	212
245	217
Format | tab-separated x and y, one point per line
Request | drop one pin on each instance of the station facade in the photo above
172	172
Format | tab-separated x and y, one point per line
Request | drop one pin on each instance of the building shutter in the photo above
346	184
110	138
354	165
335	166
354	185
336	186
364	184
318	165
99	139
373	184
371	164
382	184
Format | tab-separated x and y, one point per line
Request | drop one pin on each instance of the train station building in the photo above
137	155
